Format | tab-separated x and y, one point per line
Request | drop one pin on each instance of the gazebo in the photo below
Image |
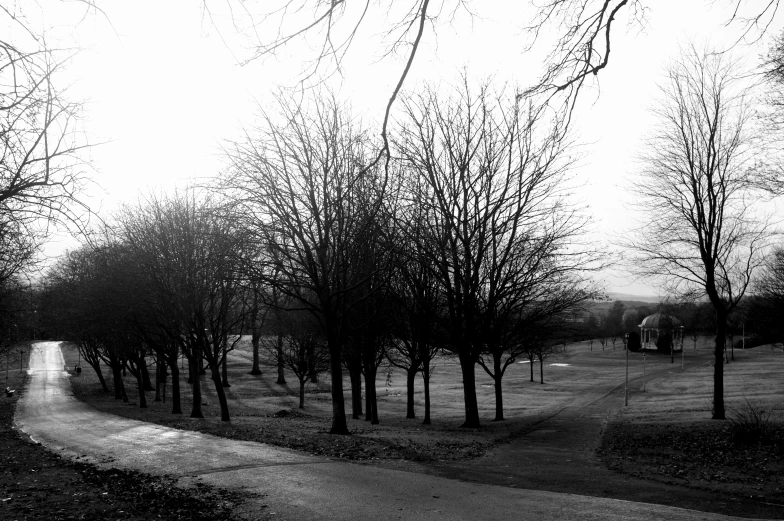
660	329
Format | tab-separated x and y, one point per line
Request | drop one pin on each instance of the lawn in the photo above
665	435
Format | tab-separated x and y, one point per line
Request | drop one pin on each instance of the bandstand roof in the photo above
660	321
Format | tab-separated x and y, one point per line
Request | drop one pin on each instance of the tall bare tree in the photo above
493	172
42	171
697	190
192	250
302	350
296	177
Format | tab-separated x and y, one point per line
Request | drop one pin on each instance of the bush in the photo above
751	424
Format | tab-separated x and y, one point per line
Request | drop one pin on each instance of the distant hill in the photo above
634	299
601	307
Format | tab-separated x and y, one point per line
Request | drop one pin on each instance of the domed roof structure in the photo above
660	320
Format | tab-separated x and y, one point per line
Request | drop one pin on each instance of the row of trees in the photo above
325	248
464	241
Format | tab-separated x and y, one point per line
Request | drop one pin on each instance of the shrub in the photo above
752	424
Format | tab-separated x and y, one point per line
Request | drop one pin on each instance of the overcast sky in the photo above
164	89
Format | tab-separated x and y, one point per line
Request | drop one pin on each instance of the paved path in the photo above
559	454
296	486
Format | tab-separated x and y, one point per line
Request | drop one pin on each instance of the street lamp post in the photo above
626	387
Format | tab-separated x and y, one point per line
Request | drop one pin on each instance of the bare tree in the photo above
538	342
548	290
614	321
19	247
303	350
585	30
414	290
770	284
296	179
697	189
192	248
492	172
767	308
42	172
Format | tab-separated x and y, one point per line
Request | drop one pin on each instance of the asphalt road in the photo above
292	486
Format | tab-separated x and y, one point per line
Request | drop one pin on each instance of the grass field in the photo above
663	439
576	377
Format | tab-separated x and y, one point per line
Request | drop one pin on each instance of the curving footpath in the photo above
290	485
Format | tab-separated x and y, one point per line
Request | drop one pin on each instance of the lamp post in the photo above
626	386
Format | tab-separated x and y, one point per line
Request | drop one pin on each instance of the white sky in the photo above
164	89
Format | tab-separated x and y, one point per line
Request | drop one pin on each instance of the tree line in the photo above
473	182
466	242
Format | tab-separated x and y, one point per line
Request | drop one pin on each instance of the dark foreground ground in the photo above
36	484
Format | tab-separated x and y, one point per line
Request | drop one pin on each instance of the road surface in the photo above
291	486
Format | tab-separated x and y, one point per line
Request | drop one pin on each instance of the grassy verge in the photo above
699	455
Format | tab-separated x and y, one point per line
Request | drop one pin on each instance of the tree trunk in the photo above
426	385
216	378
355	376
175	384
140	383
531	365
158	376
146	381
202	367
254	342
302	392
410	376
97	368
312	375
371	404
279	347
339	425
117	376
193	367
225	365
468	368
541	370
369	362
718	369
499	398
